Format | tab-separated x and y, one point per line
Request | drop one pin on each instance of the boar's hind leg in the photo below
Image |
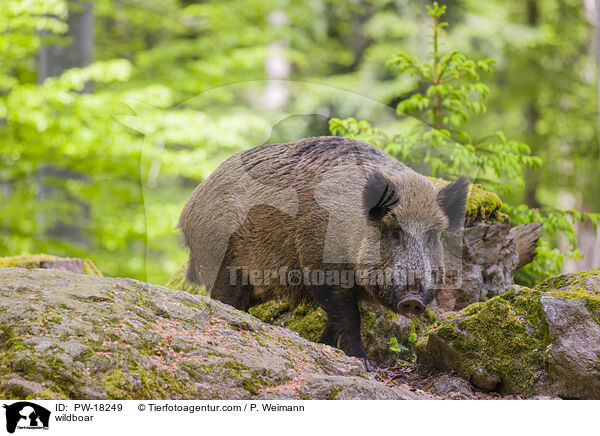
343	320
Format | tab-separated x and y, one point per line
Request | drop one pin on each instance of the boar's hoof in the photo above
411	307
368	366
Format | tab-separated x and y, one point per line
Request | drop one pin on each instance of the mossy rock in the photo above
500	340
48	261
583	286
481	204
378	326
520	342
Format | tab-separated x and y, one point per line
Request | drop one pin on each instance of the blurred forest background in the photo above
112	111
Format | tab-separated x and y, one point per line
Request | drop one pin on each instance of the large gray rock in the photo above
65	335
540	341
574	351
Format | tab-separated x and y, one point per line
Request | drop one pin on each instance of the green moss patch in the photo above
481	204
567	280
506	337
503	338
305	319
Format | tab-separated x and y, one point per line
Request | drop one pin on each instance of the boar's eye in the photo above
397	234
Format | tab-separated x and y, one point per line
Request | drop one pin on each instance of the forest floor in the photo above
437	385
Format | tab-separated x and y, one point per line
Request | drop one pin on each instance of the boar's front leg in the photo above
331	334
343	321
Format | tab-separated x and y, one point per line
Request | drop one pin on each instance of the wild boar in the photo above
327	219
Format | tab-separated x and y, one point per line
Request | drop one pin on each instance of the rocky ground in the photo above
65	334
520	343
441	386
68	335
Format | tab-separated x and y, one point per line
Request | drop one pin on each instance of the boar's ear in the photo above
452	198
379	196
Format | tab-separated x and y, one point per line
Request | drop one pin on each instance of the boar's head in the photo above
409	214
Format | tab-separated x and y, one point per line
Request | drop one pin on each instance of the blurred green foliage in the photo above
175	93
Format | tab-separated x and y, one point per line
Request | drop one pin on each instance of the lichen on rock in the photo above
579	286
75	336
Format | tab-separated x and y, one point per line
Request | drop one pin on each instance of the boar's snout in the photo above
411	306
413	299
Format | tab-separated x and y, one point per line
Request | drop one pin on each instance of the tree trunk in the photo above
53	61
532	115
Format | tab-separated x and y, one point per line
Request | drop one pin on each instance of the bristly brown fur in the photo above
325	203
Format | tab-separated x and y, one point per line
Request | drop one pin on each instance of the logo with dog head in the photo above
26	415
